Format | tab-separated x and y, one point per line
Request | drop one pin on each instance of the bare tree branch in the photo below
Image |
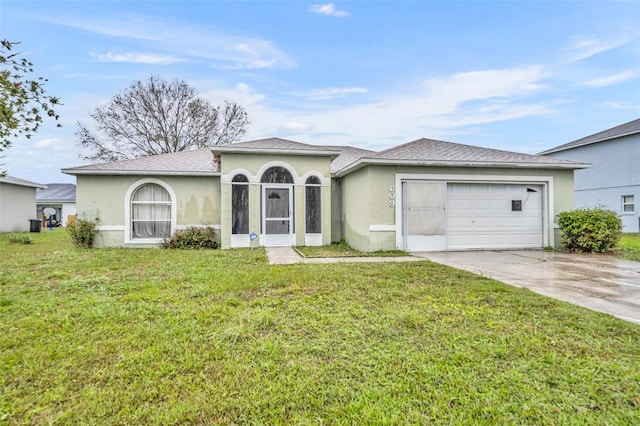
157	116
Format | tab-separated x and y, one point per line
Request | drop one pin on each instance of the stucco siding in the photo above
103	197
356	209
611	198
613	174
17	206
374	186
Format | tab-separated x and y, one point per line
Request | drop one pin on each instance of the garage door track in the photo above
599	282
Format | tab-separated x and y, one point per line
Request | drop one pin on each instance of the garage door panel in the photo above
480	216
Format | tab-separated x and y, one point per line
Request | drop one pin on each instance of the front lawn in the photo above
116	336
342	249
629	246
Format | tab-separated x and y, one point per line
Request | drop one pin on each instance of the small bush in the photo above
19	239
590	230
82	232
192	238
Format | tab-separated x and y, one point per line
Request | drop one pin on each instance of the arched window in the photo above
150	212
240	205
313	205
276	174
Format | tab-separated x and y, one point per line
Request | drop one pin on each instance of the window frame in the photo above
317	187
626	203
244	185
128	211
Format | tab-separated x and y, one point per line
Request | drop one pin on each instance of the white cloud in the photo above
446	94
178	40
586	47
140	58
437	109
332	92
293	126
328	9
612	79
621	105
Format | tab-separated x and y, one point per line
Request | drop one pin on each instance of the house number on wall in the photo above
392	196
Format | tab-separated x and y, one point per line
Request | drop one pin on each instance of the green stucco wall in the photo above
103	197
366	195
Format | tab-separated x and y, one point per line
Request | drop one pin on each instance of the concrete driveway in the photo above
601	283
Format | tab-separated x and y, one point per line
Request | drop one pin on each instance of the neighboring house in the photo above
59	198
17	204
419	196
613	180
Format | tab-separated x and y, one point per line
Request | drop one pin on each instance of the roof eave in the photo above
506	165
567	148
265	151
76	172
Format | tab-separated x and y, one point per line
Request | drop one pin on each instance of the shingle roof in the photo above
22	182
275	145
449	153
57	192
419	152
348	155
195	163
625	129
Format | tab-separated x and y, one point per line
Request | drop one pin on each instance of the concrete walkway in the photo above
288	256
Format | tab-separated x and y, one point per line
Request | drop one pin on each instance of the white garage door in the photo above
493	216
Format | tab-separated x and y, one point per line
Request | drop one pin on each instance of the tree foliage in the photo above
157	116
23	100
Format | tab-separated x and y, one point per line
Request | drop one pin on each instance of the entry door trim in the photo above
276	240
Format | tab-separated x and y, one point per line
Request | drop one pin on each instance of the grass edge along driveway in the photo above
118	336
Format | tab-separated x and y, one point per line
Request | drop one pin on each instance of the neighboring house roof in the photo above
57	192
21	182
344	158
429	152
198	162
626	129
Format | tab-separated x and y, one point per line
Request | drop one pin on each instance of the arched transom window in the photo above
150	212
276	174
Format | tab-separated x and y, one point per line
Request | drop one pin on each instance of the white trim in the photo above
275	240
545	181
382	228
127	211
228	177
324	181
215	226
363	162
137	172
312	240
107	228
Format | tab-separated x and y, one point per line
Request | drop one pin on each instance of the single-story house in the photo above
58	201
613	181
17	204
420	196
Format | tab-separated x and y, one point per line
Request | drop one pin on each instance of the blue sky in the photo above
519	76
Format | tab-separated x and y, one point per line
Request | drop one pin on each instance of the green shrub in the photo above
192	238
82	232
590	230
19	239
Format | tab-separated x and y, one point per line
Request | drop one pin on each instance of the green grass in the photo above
118	336
342	249
629	247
